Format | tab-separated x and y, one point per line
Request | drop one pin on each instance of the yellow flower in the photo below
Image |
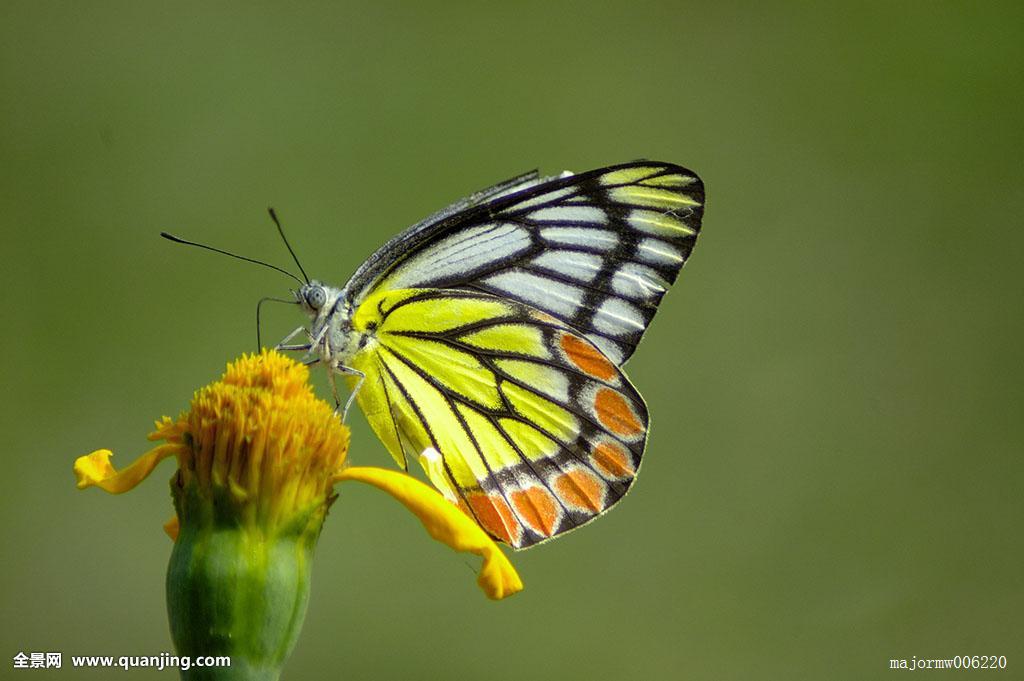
258	457
257	441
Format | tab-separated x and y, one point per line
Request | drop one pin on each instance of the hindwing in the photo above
515	416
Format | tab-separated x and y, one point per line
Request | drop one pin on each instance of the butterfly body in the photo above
487	341
333	340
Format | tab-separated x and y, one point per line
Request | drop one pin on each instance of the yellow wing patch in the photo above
527	340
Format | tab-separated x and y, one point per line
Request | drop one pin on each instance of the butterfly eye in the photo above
316	297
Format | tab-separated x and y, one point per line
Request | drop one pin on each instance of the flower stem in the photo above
235	591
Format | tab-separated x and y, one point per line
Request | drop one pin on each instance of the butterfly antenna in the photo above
273	216
179	240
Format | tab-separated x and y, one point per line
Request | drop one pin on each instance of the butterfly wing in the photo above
520	420
596	250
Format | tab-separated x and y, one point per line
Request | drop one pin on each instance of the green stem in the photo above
234	591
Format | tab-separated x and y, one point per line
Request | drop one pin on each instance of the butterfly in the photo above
487	341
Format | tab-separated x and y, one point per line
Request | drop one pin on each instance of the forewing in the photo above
515	417
596	250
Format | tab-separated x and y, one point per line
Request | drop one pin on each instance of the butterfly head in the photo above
313	297
319	300
329	314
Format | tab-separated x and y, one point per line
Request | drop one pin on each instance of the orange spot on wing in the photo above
587	358
612	460
495	516
537	508
581	488
615	413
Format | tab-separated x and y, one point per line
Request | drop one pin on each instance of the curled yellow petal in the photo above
173	527
95	470
445	523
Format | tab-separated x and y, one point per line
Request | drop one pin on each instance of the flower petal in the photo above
95	470
445	523
173	527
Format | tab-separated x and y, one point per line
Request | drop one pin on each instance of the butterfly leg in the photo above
334	391
282	345
346	371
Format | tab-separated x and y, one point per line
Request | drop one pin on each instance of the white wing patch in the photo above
638	282
460	253
583	237
658	252
538	291
616	317
561	214
576	265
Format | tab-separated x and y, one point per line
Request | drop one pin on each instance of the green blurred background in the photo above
834	472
